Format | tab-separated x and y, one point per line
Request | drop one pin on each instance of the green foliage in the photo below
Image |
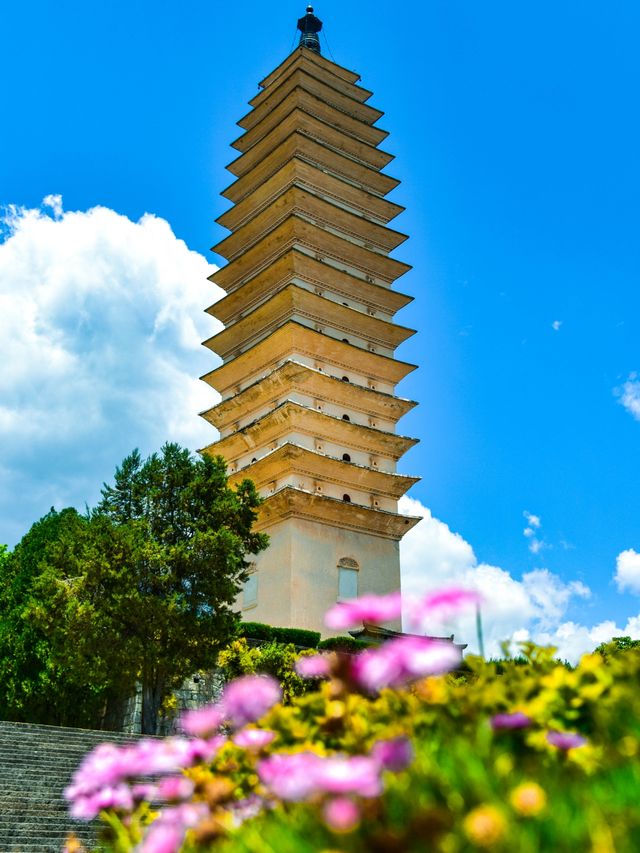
39	680
255	631
273	658
617	645
342	644
470	788
141	589
298	636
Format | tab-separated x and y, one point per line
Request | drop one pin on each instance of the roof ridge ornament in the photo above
309	27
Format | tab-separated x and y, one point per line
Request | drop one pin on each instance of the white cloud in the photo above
432	555
532	520
556	325
101	320
629	395
573	640
530	532
627	575
55	203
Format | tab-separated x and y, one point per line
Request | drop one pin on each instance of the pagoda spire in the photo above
309	27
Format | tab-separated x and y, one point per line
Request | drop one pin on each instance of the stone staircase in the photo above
36	763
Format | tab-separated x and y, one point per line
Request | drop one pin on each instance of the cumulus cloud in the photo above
627	576
55	203
573	640
556	325
533	606
629	395
101	320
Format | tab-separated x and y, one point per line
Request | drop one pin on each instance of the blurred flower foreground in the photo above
401	747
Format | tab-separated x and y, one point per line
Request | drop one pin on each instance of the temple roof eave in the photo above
291	264
292	338
296	375
291	458
322	61
294	503
294	200
291	416
292	300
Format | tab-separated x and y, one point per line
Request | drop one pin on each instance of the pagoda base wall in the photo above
298	573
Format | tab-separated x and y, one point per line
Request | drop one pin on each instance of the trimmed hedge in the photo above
255	631
342	644
297	636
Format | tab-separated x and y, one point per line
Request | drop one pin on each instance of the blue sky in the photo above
516	134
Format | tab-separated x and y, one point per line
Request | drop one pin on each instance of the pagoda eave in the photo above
293	459
301	174
297	303
317	241
319	60
301	121
294	376
305	101
293	503
297	201
319	155
290	417
303	63
323	88
296	266
295	339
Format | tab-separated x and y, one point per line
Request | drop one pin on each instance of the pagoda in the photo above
308	378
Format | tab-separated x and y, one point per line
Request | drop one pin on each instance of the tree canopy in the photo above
139	590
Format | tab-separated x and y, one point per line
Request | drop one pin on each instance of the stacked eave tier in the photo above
308	378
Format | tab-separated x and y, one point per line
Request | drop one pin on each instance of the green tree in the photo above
40	680
616	645
140	589
273	658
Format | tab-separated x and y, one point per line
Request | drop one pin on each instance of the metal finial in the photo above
309	27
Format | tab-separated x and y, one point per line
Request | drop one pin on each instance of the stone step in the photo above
36	764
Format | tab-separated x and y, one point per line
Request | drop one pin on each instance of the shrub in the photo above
342	644
389	755
272	658
255	631
298	636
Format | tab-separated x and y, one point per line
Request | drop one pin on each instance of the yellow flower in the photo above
528	799
484	826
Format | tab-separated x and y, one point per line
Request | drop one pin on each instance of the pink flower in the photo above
516	720
253	739
162	838
356	774
242	810
202	721
442	605
247	699
290	776
143	791
243	701
86	807
99	782
395	754
341	814
299	775
313	666
175	788
402	660
367	608
566	740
